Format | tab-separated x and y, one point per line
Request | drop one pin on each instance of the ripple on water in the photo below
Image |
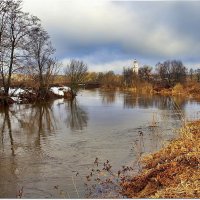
47	142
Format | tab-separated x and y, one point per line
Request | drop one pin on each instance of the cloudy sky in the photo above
108	35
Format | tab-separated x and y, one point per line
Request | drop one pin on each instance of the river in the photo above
44	145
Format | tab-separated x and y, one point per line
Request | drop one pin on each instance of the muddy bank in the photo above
172	172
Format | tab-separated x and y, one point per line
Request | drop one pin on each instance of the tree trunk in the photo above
7	85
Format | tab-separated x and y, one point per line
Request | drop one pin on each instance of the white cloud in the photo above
84	24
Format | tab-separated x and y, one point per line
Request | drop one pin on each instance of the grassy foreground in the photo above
172	172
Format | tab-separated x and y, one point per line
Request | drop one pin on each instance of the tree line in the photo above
166	75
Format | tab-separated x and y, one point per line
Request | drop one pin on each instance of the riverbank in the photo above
26	95
187	90
172	172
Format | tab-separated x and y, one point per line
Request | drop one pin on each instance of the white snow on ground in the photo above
16	92
16	99
59	90
56	90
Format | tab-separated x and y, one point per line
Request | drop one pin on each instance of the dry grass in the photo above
178	89
172	172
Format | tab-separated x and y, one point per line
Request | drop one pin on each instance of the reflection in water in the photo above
36	121
37	151
7	127
77	117
26	127
8	167
174	104
108	97
130	101
39	121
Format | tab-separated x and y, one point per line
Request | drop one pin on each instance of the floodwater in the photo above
42	146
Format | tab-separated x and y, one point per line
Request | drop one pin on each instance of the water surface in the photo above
41	146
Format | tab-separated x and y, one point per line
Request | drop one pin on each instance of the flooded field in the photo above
42	146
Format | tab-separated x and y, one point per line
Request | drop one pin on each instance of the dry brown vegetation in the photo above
172	172
189	89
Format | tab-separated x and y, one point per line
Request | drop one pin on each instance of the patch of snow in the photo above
16	92
56	91
59	90
16	99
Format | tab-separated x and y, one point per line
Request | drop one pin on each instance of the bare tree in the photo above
3	13
4	7
75	73
191	74
128	77
15	26
197	73
144	73
171	72
42	67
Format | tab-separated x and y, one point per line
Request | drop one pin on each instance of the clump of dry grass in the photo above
146	88
172	172
178	89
